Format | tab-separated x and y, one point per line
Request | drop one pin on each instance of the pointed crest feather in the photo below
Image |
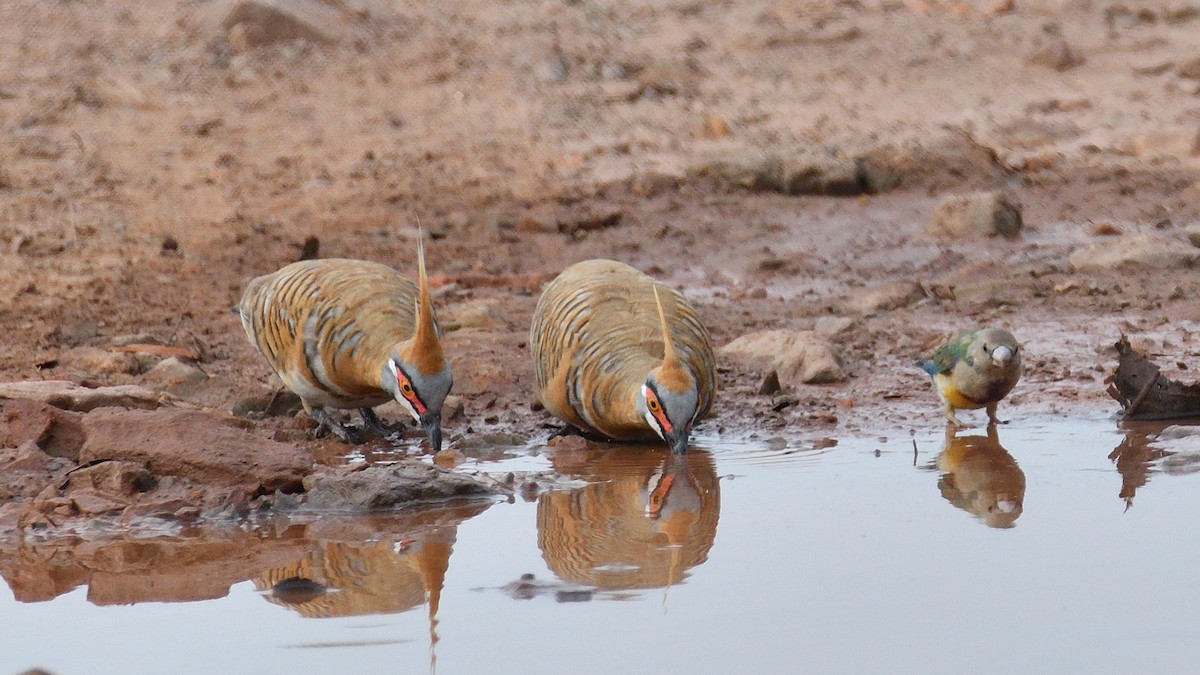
673	374
426	345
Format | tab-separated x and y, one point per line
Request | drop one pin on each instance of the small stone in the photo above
568	443
253	23
1189	69
715	127
978	214
770	385
1055	53
1193	234
96	362
453	408
174	375
578	223
478	314
1152	249
1165	143
888	296
783	401
832	326
553	69
829	176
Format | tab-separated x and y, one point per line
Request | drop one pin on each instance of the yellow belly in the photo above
953	396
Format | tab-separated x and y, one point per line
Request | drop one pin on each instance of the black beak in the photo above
678	442
433	430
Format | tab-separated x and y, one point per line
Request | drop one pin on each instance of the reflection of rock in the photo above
1135	458
982	478
642	520
206	562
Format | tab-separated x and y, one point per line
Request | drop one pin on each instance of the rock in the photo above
282	403
714	127
569	443
1193	234
578	223
390	486
830	176
1146	250
254	23
1165	143
743	170
71	396
796	356
96	361
453	408
25	457
892	295
770	385
1189	69
806	174
654	183
480	313
1055	53
118	478
664	79
55	432
202	446
553	69
174	375
978	214
831	326
996	292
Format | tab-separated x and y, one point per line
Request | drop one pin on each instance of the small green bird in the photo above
975	369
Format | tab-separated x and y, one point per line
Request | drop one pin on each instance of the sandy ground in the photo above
153	159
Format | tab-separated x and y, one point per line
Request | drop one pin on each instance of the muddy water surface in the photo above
1055	543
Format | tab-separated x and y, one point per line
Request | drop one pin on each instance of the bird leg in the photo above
373	424
954	421
992	419
325	424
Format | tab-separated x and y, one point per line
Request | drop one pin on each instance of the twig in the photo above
1141	397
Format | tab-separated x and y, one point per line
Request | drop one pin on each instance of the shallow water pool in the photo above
1054	544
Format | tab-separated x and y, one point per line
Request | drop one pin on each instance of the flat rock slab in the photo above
206	447
391	486
70	396
796	356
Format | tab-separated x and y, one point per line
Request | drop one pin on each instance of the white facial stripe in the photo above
654	425
400	397
408	406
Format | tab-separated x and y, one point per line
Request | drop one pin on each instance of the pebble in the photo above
978	214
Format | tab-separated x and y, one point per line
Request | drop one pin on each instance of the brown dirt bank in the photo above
777	162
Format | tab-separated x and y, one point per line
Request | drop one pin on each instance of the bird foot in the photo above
566	430
956	423
326	424
372	424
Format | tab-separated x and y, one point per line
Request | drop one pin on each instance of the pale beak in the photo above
1002	355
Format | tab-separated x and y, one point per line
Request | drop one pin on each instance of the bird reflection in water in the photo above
980	477
371	565
644	518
